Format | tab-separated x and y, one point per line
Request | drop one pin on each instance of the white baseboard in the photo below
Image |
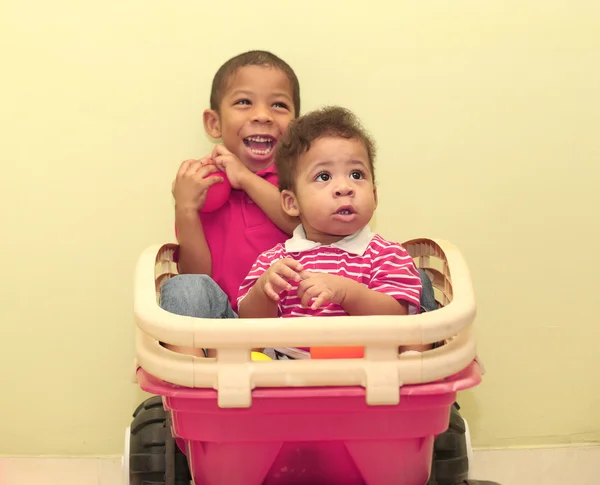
575	465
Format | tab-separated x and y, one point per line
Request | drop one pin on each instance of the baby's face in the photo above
255	111
334	189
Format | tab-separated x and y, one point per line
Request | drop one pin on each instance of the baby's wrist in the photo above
347	288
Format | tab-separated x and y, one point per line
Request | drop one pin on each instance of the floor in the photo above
542	466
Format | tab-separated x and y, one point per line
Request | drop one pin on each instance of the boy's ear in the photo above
375	195
289	203
212	123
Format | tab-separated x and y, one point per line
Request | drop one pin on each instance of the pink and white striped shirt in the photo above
365	257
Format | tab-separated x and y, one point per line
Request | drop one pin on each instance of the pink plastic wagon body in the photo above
313	421
316	436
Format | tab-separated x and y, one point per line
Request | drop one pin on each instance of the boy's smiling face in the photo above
254	113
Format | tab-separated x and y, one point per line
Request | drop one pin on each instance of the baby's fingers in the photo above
308	292
321	300
274	285
288	273
279	282
270	292
294	266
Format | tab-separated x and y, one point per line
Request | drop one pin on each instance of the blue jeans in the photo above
428	302
195	295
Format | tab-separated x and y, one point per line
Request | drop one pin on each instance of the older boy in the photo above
254	96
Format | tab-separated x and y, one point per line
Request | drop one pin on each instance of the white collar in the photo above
356	243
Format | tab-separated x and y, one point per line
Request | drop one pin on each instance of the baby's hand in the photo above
231	165
191	183
276	279
323	288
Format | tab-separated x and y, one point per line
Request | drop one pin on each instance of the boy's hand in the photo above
276	279
324	288
190	185
230	164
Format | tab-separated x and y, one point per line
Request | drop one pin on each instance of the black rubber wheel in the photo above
154	457
450	455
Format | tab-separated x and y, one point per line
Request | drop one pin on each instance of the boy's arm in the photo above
264	194
189	191
268	198
194	254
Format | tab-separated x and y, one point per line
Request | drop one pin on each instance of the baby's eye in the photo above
357	175
280	104
323	177
245	102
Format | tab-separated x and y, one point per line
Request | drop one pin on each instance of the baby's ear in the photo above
289	203
212	123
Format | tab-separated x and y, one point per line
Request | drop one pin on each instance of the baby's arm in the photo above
396	275
365	301
259	293
256	304
394	286
355	298
360	300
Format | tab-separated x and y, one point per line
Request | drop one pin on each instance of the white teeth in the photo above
260	152
344	212
259	139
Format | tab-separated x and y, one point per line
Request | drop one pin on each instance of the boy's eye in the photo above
280	104
245	102
323	177
356	175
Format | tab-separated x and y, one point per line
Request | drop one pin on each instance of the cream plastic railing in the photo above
381	372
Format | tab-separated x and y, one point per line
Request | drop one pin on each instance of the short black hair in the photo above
252	58
331	121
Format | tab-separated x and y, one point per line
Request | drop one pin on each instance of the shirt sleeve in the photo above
262	264
395	273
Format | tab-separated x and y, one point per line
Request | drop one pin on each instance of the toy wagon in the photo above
378	420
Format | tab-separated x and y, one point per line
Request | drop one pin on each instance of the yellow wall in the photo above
486	115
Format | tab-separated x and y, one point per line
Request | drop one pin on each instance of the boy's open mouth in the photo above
260	144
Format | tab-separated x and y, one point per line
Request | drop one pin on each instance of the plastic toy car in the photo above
381	419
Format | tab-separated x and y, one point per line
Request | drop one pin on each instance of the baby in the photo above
333	265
